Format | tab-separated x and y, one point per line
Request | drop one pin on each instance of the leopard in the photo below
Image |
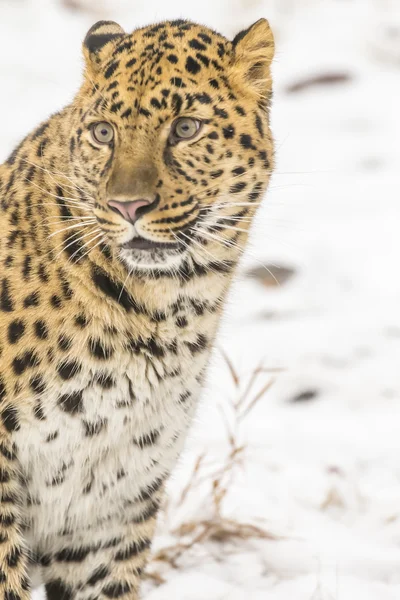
123	217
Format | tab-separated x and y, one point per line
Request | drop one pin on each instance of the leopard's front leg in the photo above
14	583
106	561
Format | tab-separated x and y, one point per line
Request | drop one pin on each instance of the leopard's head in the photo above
172	143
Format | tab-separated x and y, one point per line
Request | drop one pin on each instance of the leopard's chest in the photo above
95	442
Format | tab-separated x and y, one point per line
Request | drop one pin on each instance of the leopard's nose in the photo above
129	210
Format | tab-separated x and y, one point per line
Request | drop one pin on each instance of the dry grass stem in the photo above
217	477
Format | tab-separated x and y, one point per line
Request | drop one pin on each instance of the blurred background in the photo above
290	483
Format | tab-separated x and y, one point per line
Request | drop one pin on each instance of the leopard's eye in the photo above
185	128
103	133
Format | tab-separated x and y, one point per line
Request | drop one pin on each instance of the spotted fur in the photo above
104	344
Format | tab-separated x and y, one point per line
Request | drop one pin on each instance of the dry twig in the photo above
219	476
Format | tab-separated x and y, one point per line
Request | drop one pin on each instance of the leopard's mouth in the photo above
139	243
140	253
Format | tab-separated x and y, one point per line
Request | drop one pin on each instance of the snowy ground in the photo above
323	474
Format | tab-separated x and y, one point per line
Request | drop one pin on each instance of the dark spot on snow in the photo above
321	79
271	275
305	396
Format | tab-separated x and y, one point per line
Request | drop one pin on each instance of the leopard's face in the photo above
172	145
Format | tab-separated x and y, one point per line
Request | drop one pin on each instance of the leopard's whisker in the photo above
69	204
125	282
197	243
75	241
227	242
73	237
68	228
226	227
56	172
232	204
189	248
48	193
86	244
232	244
217	218
91	249
57	219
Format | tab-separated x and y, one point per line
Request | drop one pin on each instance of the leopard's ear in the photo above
98	38
253	53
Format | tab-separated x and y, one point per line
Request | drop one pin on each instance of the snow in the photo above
323	475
